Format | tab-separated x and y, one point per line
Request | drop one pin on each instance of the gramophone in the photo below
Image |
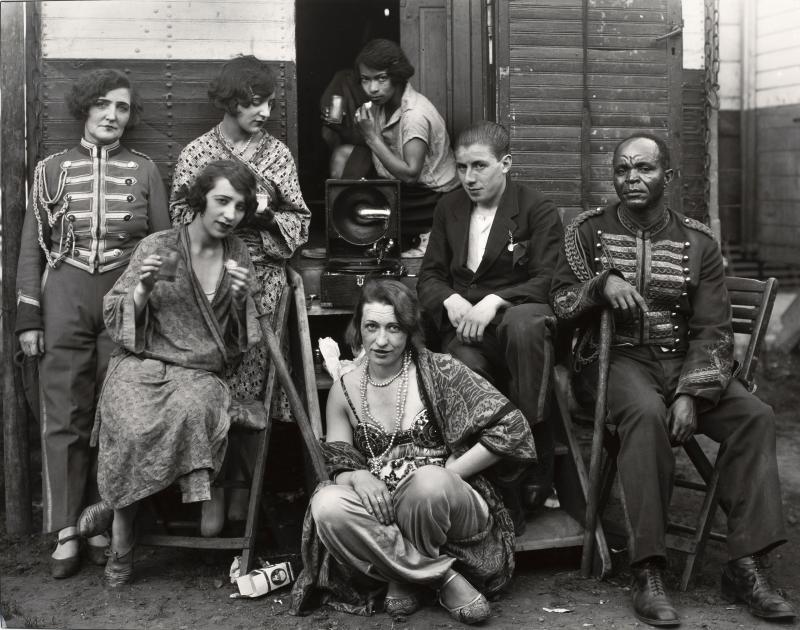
362	225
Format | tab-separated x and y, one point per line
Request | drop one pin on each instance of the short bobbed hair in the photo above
240	177
239	81
91	85
488	133
663	147
387	56
406	308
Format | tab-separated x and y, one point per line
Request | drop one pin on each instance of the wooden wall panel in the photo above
168	29
778	183
176	105
541	78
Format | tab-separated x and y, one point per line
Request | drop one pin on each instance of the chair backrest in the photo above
751	303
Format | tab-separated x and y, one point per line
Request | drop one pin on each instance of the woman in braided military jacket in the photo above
89	207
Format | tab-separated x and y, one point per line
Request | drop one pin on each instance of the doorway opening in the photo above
329	34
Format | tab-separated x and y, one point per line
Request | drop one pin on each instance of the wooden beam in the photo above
16	460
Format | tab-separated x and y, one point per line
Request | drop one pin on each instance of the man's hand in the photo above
475	321
32	342
623	297
456	307
682	419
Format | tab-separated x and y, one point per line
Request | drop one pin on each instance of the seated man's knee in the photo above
526	323
328	506
472	357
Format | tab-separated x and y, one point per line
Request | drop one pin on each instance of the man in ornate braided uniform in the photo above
670	375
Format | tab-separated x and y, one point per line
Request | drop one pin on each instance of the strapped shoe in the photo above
745	580
650	602
61	568
95	519
119	568
474	611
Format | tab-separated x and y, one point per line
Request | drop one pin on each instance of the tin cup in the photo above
169	264
336	110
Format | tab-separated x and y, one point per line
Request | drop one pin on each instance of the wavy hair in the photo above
91	85
386	55
240	177
406	308
239	81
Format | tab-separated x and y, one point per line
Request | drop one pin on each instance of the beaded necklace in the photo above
242	151
376	461
385	383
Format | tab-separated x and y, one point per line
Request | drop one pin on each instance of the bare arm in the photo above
407	167
475	460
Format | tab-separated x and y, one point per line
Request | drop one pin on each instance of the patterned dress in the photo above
276	174
163	412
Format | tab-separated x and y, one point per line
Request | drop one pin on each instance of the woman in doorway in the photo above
244	91
163	413
412	439
407	138
90	206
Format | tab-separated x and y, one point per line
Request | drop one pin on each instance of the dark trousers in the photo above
71	372
517	349
640	386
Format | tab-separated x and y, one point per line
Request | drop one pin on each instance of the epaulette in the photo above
144	155
700	227
572	247
44	161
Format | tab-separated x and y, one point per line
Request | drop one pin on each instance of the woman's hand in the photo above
367	122
374	495
240	280
32	342
148	274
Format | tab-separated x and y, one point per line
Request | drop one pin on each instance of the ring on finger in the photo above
379	499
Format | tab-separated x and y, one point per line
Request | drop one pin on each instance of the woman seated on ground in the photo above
163	412
412	438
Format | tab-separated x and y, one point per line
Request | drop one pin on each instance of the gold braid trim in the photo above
700	227
144	155
42	203
572	246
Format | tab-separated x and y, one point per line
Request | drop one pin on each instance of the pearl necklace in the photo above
376	461
387	382
241	151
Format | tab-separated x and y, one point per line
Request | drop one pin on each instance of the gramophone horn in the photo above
360	215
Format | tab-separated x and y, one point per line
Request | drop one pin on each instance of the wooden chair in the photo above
752	302
277	372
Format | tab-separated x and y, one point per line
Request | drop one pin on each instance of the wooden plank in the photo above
204	29
16	454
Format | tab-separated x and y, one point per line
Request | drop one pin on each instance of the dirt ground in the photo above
179	589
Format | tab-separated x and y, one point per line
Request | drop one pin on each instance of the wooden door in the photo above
445	42
574	78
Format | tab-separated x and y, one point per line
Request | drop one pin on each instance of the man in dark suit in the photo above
485	279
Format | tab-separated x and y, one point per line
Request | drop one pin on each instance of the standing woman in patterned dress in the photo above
244	91
89	207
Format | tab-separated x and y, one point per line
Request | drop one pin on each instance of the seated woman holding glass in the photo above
413	438
181	313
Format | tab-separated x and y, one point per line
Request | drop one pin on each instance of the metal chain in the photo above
711	85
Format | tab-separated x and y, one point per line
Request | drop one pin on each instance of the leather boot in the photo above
745	580
650	602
